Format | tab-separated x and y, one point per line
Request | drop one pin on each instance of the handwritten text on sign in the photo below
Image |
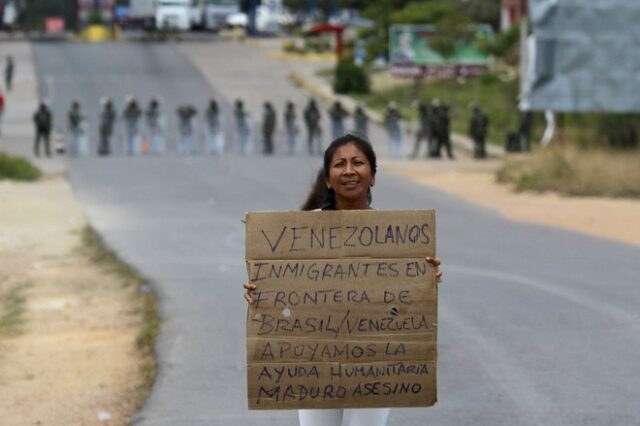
345	312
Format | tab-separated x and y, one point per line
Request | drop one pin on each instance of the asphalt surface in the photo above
537	326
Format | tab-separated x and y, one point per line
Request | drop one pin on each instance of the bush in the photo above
17	168
571	171
350	78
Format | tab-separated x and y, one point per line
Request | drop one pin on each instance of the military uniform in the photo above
268	128
42	121
361	121
215	144
337	114
131	116
312	121
291	127
478	126
185	126
107	121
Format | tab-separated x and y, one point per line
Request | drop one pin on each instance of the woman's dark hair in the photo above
322	197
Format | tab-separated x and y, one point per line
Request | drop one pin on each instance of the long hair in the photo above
320	197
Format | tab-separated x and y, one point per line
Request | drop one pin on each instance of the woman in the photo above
344	183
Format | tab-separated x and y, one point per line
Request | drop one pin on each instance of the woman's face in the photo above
350	176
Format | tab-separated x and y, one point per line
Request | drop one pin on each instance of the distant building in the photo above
511	12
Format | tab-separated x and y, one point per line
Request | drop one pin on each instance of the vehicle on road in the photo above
211	15
161	15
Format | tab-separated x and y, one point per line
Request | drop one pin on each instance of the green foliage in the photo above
503	45
350	78
421	12
95	18
17	168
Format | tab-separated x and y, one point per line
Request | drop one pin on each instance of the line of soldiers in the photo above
135	139
434	130
311	116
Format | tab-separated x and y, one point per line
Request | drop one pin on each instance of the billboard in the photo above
412	52
582	56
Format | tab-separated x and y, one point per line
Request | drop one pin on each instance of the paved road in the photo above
537	326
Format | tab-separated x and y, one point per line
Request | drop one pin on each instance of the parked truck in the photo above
211	15
161	15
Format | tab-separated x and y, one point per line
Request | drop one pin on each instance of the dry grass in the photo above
573	171
98	252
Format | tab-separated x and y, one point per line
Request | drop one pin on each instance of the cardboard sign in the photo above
345	312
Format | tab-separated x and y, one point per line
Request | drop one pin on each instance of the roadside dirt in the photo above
614	219
67	325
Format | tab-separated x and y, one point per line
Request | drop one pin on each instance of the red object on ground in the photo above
330	28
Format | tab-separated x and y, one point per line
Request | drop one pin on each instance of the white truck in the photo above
211	15
161	15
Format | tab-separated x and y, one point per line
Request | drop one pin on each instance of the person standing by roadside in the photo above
291	128
268	128
312	121
424	132
361	120
107	121
1	110
131	116
337	114
393	124
435	130
75	121
9	69
186	113
42	122
478	126
344	183
243	128
215	142
445	128
153	119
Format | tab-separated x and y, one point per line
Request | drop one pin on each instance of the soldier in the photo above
243	128
8	73
185	127
1	110
393	124
153	118
423	133
524	129
435	131
445	128
75	120
478	126
337	114
312	121
107	121
42	121
291	127
361	120
215	142
268	127
131	116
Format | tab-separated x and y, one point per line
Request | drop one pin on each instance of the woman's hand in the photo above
435	261
248	296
